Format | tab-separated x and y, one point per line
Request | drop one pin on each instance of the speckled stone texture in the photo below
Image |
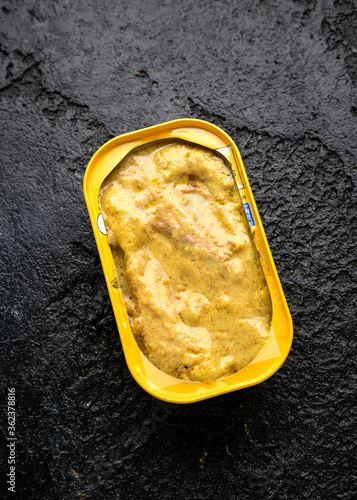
280	77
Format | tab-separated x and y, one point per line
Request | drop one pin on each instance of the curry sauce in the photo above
194	289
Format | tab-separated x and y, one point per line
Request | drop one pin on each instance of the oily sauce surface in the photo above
194	290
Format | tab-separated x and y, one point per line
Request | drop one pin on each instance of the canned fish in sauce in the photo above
188	267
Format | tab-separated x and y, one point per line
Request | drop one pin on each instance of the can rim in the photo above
102	160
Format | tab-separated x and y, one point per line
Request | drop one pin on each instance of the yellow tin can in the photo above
150	378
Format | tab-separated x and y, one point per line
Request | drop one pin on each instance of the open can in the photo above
150	378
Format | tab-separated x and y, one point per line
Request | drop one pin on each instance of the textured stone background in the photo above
280	77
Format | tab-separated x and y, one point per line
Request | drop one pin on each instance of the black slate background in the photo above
280	77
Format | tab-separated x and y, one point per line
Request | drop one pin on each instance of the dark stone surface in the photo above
280	77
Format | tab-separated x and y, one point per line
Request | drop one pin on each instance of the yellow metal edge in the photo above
137	135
